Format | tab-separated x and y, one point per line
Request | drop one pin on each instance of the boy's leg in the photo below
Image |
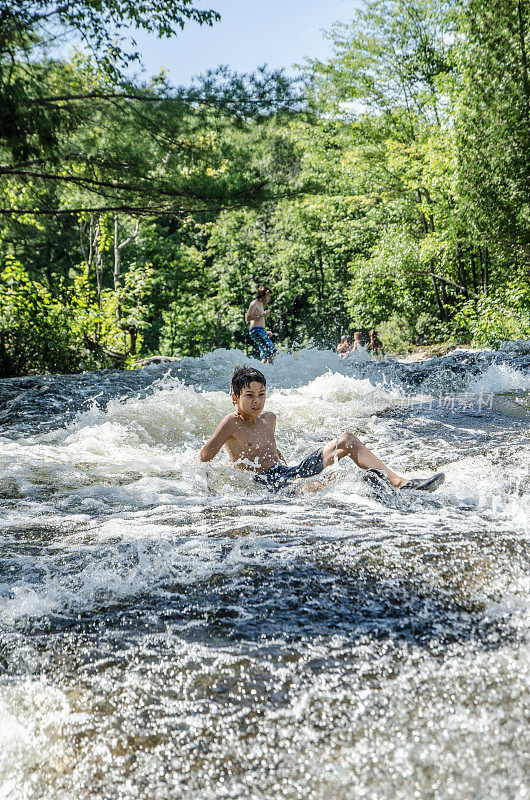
262	352
349	445
271	351
255	341
267	351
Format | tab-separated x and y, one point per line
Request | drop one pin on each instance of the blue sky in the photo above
250	33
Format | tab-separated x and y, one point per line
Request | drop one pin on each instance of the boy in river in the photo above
255	317
248	435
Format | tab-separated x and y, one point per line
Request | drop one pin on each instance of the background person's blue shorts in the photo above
280	475
260	337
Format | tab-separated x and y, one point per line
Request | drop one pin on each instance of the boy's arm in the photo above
273	426
251	312
224	431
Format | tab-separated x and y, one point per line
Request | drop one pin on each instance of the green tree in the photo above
83	131
494	122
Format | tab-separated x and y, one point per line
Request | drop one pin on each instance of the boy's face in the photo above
251	400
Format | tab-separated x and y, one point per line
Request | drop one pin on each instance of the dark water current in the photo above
169	630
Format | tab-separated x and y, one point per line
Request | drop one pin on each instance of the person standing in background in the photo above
255	316
358	341
343	348
376	345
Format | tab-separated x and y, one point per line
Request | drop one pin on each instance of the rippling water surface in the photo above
172	631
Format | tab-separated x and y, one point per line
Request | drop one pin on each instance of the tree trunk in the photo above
322	276
485	283
117	265
481	261
441	309
473	271
524	61
90	257
457	285
98	266
460	269
439	303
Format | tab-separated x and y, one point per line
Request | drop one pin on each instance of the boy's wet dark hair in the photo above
262	291
243	376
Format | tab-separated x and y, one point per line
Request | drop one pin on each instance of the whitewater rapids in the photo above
169	629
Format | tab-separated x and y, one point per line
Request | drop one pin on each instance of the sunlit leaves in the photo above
494	121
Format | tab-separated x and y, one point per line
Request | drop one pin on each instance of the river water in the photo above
173	631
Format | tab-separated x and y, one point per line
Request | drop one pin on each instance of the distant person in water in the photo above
248	435
375	345
255	316
343	346
358	341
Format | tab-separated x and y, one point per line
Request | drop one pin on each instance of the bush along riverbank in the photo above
41	332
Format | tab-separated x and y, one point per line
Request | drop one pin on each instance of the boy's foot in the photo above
425	484
377	480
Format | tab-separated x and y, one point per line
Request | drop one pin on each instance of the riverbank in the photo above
424	352
418	353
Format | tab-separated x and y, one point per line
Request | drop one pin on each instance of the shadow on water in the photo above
290	604
268	610
37	404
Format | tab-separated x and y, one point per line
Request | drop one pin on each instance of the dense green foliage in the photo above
387	187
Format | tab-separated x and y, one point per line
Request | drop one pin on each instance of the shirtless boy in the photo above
255	316
248	435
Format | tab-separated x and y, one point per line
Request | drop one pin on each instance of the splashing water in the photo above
170	630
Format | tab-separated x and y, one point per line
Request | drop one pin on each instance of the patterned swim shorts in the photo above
280	475
260	337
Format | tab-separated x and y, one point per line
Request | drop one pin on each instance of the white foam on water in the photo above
33	715
515	346
289	369
116	509
500	378
132	553
136	449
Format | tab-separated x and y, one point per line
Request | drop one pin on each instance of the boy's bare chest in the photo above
252	441
255	436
